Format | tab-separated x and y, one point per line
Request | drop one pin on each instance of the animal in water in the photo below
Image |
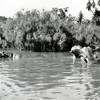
10	55
76	52
86	54
15	55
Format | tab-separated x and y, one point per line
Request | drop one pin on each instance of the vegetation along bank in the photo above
49	31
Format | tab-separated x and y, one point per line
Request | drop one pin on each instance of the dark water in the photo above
48	76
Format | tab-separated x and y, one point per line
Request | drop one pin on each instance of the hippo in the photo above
76	52
86	54
10	55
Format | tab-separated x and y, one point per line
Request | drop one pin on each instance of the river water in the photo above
48	76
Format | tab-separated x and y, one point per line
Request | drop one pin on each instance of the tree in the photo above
89	5
80	18
96	13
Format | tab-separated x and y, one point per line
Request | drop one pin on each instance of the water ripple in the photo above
48	76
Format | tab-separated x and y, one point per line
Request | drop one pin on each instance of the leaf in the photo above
88	5
99	2
93	4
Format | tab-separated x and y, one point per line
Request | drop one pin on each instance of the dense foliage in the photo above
48	31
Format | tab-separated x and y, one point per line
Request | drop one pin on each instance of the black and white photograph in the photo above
49	49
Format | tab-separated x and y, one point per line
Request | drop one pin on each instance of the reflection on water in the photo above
48	76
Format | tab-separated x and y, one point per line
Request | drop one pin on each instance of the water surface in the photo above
48	76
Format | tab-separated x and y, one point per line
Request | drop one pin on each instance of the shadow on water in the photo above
44	76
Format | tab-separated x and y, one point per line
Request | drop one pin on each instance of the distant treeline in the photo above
47	31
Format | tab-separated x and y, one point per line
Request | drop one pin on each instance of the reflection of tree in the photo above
94	84
96	77
87	81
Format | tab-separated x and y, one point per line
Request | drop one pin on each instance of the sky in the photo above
9	8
